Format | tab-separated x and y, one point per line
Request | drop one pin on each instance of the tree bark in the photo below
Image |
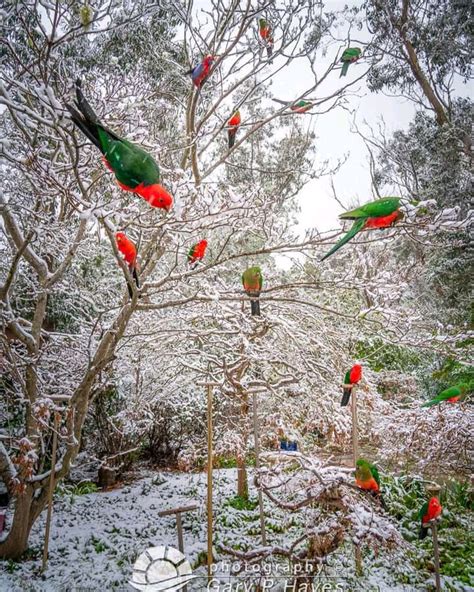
16	542
242	479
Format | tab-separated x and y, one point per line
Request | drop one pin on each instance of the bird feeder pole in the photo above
355	428
257	466
209	386
50	490
434	534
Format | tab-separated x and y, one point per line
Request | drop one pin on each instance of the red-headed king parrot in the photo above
252	280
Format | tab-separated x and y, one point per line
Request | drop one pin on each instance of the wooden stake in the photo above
434	533
51	490
355	429
209	481
257	466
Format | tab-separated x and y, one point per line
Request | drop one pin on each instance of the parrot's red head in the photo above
156	195
203	243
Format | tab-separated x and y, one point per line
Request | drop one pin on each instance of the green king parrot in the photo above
302	106
134	169
368	478
452	395
350	55
380	213
252	280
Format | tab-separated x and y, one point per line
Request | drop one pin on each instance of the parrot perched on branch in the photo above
196	253
129	252
429	511
252	281
233	126
200	72
266	35
368	478
350	55
452	395
134	169
380	213
302	106
352	377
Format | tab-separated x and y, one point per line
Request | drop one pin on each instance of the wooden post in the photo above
209	481
257	466
51	490
434	533
355	429
179	525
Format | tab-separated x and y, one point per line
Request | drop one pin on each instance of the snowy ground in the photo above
96	538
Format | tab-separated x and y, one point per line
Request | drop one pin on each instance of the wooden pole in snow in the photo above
50	491
209	481
434	534
355	428
257	466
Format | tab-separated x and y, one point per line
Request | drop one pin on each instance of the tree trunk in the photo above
242	480
16	542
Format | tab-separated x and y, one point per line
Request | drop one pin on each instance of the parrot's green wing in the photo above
423	510
351	53
373	209
347	377
375	474
356	227
131	165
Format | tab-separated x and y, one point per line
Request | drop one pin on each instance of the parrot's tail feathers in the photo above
356	227
346	395
345	67
84	106
382	501
423	533
88	130
269	50
255	307
430	403
130	290
231	136
135	276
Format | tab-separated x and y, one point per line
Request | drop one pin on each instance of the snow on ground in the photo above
95	538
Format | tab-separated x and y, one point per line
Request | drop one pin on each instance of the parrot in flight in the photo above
196	253
266	35
352	377
429	511
129	252
452	395
252	281
302	106
380	213
135	170
367	478
200	72
233	124
351	54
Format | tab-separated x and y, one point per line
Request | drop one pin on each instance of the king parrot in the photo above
200	72
134	169
351	54
302	106
429	511
352	377
233	124
129	252
368	478
196	253
266	34
452	395
252	281
380	213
